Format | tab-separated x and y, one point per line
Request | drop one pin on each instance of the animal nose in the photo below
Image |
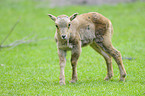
63	36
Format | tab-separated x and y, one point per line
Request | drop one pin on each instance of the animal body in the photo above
76	31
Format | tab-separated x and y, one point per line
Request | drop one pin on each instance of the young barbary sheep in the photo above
77	31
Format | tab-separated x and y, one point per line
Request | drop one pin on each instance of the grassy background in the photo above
33	69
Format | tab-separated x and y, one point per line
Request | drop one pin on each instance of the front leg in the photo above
74	58
62	62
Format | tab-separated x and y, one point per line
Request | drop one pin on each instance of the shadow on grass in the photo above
84	81
95	82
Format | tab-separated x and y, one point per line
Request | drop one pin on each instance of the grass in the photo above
33	69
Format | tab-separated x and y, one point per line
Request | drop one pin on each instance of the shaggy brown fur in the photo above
77	31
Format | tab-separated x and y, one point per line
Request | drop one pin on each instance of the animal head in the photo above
63	24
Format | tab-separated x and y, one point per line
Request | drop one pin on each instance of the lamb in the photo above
77	31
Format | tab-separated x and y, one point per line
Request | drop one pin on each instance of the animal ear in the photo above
52	17
73	16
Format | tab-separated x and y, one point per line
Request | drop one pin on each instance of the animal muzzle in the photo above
64	36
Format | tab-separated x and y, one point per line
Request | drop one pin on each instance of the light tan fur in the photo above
77	31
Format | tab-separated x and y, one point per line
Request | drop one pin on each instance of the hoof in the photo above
122	79
61	82
73	81
107	78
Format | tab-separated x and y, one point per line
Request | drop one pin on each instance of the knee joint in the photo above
116	53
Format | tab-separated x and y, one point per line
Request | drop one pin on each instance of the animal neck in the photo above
64	41
65	44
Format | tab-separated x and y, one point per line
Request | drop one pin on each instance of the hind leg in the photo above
106	45
107	58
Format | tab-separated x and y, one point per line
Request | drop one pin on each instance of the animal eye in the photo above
69	25
56	26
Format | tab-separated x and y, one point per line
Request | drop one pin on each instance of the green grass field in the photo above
33	69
